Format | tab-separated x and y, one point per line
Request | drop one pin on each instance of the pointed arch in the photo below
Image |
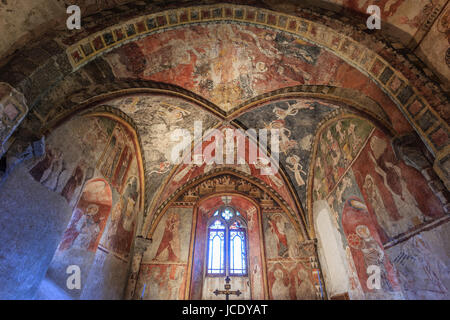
153	220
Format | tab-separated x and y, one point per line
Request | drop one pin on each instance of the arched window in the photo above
227	244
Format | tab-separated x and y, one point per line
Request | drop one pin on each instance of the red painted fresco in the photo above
246	62
187	172
89	219
384	182
291	280
366	247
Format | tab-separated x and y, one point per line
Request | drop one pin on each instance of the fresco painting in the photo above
367	250
172	237
186	172
280	236
148	68
123	219
13	109
422	270
290	280
193	59
161	282
206	67
361	241
338	146
89	218
96	172
156	117
297	120
371	205
251	285
435	51
401	14
398	206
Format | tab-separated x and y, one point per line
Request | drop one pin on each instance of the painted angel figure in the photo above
292	110
285	142
297	168
267	168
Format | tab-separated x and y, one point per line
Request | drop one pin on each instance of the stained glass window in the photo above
227	244
227	214
216	248
237	252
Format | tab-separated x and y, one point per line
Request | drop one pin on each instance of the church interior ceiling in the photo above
114	93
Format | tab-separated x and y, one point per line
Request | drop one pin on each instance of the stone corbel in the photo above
13	109
411	150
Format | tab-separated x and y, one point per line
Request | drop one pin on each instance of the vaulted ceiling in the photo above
412	23
273	64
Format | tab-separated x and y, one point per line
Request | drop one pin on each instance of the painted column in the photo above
140	246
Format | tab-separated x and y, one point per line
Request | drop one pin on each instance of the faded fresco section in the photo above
156	118
164	265
247	62
292	273
92	163
422	264
377	201
297	121
361	242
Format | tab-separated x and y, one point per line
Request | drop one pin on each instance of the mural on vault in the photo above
156	117
338	146
246	62
297	120
397	205
401	17
186	172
